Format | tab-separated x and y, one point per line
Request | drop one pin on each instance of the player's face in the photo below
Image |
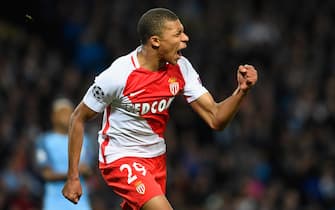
172	41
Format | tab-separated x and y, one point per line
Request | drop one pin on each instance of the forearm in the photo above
227	109
76	131
223	112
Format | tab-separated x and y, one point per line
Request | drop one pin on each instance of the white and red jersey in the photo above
135	102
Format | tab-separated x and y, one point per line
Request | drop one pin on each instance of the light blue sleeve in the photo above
41	154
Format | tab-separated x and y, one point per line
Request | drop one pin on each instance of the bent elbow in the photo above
218	126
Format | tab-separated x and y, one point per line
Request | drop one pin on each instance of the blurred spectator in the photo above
52	160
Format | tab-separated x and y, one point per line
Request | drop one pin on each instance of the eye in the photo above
179	33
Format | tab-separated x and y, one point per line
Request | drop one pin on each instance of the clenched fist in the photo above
72	190
246	77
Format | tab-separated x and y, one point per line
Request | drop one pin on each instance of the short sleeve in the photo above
100	93
193	87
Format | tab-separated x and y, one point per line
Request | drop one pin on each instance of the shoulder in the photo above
185	65
122	64
118	70
183	61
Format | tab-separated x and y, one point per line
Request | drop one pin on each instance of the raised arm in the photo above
72	188
218	115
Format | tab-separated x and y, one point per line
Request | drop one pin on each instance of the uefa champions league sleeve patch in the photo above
98	93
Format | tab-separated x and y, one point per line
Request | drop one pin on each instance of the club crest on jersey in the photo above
140	187
174	85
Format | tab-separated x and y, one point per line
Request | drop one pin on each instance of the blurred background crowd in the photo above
277	154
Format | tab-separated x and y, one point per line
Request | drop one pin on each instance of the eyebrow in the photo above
180	30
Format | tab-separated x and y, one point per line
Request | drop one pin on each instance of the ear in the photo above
155	42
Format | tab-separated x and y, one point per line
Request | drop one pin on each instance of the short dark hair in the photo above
152	22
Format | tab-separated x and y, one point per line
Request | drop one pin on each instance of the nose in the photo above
185	38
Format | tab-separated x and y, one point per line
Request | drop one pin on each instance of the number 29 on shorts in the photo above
129	169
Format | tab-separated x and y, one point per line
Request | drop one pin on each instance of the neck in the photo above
148	58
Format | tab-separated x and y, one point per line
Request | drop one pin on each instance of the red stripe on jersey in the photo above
133	61
104	131
103	147
108	112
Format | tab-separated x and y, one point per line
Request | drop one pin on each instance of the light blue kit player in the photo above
52	160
